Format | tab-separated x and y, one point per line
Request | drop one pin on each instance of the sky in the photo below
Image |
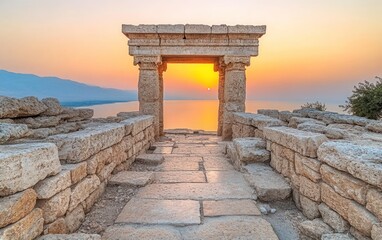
313	50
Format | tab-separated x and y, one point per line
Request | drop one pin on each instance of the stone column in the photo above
162	68
220	67
234	91
149	88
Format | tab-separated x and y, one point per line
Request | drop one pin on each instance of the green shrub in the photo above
316	105
366	100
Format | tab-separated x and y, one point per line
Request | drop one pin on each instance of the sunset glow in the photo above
312	50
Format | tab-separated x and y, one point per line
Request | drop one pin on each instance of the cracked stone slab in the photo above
151	211
184	158
227	228
180	177
197	191
230	208
141	233
132	178
225	177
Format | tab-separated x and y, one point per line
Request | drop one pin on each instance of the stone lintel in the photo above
132	31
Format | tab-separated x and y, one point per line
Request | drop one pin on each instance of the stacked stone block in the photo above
336	183
30	118
47	188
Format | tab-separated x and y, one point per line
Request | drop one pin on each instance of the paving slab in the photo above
131	178
150	211
179	165
142	233
227	228
181	157
180	177
230	208
230	176
197	191
151	159
217	163
163	150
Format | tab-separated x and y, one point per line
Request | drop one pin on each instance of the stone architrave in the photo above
229	48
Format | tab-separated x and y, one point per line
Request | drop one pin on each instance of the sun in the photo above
208	89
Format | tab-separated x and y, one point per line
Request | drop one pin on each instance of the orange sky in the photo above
313	50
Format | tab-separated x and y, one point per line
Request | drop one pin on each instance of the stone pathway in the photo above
194	193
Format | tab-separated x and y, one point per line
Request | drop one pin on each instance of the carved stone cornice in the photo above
236	62
148	62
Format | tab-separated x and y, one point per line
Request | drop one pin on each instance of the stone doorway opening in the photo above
229	48
191	93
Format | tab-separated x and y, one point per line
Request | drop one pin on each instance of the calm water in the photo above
195	114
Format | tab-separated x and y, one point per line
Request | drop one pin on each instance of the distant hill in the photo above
67	91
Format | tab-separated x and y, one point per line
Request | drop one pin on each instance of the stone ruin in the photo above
55	163
329	163
229	48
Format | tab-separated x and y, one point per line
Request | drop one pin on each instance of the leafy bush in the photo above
366	100
316	105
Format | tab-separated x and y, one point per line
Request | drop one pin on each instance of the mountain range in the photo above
68	92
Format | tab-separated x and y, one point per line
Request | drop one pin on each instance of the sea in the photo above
196	114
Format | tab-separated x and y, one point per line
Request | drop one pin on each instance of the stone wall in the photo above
47	186
333	163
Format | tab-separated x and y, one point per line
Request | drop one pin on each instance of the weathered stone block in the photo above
361	160
12	131
269	185
56	227
335	201
54	107
305	143
337	236
276	162
376	232
131	178
309	207
17	206
82	190
375	126
314	229
74	236
94	196
333	219
52	185
357	234
75	218
23	107
77	171
139	123
105	173
78	146
310	189
374	202
344	184
23	165
56	206
361	219
282	152
29	227
251	150
308	167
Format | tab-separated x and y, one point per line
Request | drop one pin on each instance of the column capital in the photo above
148	62
236	62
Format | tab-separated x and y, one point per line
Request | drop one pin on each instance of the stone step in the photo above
150	159
130	178
243	151
268	184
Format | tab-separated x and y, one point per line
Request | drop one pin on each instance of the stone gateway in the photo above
229	48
